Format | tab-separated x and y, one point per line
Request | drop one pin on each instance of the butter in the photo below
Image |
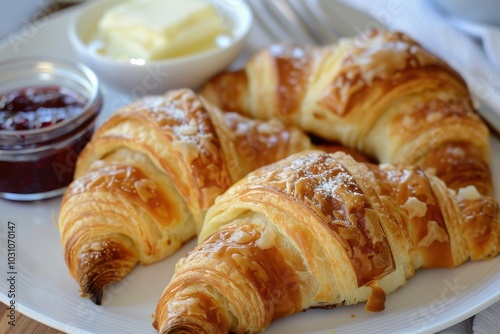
160	29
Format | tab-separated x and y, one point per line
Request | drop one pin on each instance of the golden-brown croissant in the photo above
381	93
318	230
144	182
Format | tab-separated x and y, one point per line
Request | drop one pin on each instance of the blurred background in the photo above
20	13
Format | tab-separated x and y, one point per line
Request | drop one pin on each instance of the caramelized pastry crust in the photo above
380	93
144	182
320	230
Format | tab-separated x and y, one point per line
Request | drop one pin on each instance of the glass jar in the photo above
38	161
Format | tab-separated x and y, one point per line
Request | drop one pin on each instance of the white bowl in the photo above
156	77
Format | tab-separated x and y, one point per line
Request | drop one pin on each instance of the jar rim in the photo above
78	71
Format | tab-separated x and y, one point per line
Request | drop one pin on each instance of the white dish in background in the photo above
431	301
157	76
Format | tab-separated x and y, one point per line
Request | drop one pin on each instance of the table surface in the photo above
23	324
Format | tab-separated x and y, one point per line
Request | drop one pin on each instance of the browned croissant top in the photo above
383	62
131	183
381	93
379	62
336	199
179	119
145	180
320	230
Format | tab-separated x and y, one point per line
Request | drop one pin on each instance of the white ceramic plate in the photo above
431	301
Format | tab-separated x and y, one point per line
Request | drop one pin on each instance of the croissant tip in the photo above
94	293
98	267
96	299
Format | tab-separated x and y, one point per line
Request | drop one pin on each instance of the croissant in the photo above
381	93
144	182
319	230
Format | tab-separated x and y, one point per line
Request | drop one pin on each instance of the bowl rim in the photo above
243	29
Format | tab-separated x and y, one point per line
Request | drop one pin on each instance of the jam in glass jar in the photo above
48	110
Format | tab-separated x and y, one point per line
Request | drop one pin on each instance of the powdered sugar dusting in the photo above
180	121
316	178
329	186
323	183
181	114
